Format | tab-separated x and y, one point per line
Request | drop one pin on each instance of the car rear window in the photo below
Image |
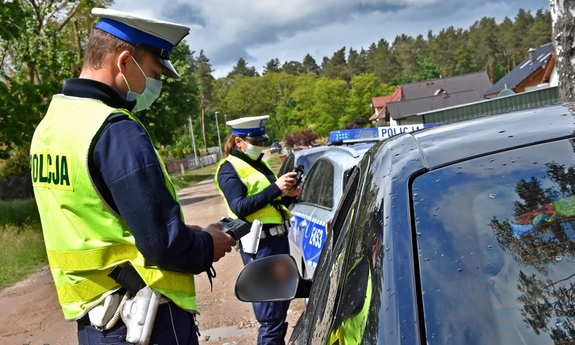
318	186
496	248
308	159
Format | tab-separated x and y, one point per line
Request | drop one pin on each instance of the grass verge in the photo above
22	252
191	177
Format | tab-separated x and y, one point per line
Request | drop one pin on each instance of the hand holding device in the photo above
236	228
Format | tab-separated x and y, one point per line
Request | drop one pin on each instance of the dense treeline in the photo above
337	91
43	43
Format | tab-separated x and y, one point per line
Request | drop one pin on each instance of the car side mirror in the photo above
273	278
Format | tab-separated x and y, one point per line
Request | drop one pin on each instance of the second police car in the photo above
323	187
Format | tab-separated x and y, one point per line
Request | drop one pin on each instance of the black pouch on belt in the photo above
127	276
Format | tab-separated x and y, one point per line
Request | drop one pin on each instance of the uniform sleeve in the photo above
130	170
236	192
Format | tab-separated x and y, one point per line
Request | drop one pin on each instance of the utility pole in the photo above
219	139
193	141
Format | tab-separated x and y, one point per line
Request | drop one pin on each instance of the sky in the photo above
262	30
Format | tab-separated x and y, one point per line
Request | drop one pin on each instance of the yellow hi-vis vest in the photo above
255	182
84	237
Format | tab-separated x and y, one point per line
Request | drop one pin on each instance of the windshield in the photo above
496	248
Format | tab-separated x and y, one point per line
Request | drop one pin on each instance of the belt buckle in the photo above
277	230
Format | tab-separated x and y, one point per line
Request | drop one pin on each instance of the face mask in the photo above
145	99
253	151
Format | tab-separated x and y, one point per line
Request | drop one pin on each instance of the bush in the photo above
17	165
18	212
305	137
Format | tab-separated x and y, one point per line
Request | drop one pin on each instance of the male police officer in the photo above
105	197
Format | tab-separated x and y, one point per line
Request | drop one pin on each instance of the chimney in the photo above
445	95
531	53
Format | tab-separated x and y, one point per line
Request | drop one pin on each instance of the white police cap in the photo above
252	127
156	36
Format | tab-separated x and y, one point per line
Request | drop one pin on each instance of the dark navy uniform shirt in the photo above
128	175
236	192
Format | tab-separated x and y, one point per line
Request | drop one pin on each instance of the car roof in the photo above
458	141
308	151
346	156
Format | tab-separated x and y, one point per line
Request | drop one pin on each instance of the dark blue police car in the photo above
458	234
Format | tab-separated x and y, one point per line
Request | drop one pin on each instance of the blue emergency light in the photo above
352	135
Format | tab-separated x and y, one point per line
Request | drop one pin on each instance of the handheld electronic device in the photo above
236	228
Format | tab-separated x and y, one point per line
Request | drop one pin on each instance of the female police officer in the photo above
252	191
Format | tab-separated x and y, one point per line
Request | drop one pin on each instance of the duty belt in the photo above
277	230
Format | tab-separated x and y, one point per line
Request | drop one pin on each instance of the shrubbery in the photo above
305	137
19	212
17	165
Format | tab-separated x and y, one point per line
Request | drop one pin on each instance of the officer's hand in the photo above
286	182
195	228
223	242
294	192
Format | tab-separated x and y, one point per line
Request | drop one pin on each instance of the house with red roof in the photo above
379	104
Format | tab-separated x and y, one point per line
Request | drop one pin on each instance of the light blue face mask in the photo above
145	99
253	151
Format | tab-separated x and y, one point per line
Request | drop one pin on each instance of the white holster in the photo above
139	315
251	241
101	314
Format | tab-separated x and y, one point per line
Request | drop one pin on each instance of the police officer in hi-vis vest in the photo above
252	192
106	201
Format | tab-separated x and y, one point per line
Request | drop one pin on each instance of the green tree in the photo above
179	100
220	91
292	67
202	69
356	62
303	102
540	31
363	88
309	65
426	69
241	69
463	61
36	56
243	98
272	66
336	67
381	62
329	105
277	92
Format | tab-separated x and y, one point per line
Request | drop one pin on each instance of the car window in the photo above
318	186
326	193
313	327
287	165
313	184
346	176
307	160
496	245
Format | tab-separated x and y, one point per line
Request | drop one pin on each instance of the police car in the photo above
459	234
304	158
321	191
